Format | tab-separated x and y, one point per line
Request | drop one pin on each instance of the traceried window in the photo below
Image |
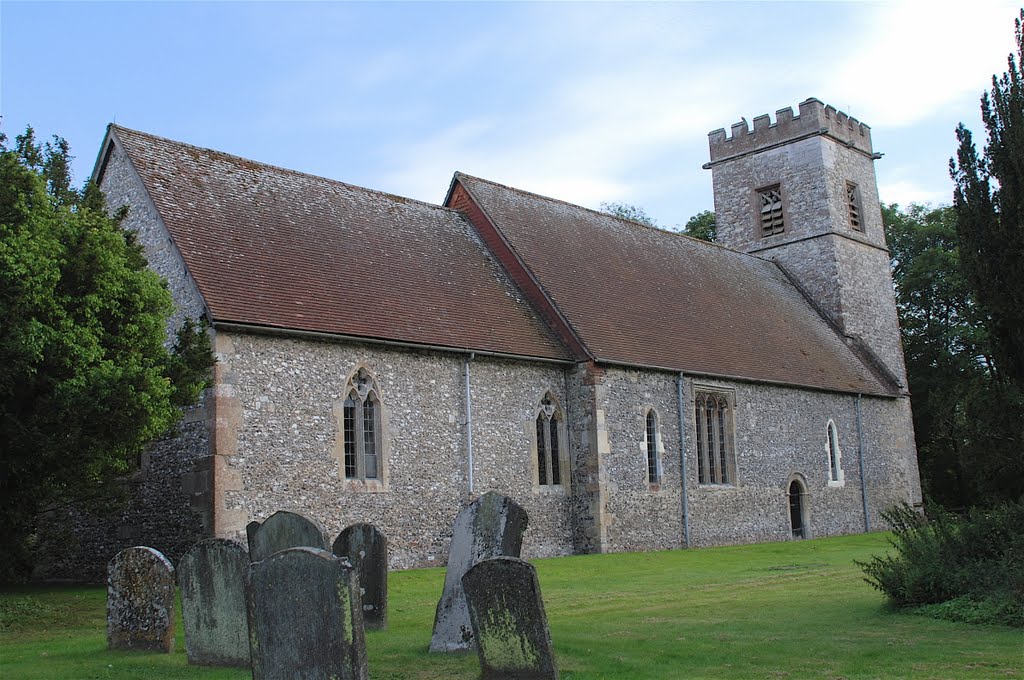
549	443
715	452
853	209
772	220
835	470
651	444
361	425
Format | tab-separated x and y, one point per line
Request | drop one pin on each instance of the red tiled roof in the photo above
282	249
642	296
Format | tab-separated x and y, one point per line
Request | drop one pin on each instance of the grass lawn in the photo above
781	610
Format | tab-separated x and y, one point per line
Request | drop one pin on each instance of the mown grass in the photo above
783	610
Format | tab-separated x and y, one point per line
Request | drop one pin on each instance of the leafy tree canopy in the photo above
629	212
963	419
86	377
702	226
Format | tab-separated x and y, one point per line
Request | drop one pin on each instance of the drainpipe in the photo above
682	463
469	423
863	479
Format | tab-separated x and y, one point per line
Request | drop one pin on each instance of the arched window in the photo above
549	443
651	444
835	456
713	425
361	428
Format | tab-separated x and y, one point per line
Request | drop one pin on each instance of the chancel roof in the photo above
274	248
637	295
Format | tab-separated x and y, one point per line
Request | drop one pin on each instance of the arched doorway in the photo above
798	510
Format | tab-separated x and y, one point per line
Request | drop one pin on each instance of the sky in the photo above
584	102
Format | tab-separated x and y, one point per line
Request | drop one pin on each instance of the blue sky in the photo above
586	102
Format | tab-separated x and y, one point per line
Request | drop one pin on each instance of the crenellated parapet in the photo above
815	118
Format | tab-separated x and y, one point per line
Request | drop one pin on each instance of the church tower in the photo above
802	191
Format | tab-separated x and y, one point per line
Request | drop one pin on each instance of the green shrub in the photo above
966	568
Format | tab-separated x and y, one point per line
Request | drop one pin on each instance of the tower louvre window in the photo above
853	206
772	220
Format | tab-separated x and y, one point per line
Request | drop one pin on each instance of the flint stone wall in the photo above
165	506
286	437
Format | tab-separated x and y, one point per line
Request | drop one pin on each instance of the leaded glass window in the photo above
361	428
653	462
715	450
549	443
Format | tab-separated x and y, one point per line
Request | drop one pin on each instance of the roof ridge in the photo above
279	168
625	220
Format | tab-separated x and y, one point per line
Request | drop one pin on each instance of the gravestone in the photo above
367	550
305	617
490	526
509	625
140	601
281	531
212	579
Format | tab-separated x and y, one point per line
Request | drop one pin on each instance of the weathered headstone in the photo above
281	531
140	601
367	549
305	617
511	630
212	579
490	526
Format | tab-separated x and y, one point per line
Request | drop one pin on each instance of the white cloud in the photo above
912	58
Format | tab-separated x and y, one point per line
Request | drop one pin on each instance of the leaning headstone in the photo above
367	549
212	579
140	601
511	630
281	531
491	526
305	617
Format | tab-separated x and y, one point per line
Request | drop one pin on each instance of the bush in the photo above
966	568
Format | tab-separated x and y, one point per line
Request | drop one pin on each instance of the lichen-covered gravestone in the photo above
281	531
305	617
367	549
491	526
212	579
505	607
140	601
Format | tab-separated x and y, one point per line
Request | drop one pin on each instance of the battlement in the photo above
815	118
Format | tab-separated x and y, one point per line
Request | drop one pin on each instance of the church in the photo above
386	360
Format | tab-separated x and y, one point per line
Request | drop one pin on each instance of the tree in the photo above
86	379
629	212
963	423
702	226
991	218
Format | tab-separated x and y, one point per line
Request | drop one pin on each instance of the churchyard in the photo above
784	610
